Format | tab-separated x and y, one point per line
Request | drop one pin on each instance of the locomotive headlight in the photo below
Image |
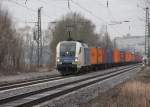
58	60
76	59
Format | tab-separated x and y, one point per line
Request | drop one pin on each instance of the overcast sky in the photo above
95	10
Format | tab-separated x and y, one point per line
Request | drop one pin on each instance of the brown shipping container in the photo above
116	56
94	55
100	56
104	56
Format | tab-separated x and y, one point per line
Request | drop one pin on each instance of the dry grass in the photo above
134	93
25	69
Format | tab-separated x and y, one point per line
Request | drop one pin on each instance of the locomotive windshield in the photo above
67	49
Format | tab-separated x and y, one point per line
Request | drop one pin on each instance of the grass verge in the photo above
133	93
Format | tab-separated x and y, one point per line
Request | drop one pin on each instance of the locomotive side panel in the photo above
81	57
87	60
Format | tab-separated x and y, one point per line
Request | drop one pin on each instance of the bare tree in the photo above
107	43
11	43
77	27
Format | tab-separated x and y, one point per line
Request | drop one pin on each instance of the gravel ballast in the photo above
83	95
27	76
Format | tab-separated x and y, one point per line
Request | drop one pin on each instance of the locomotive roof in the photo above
83	44
68	41
71	42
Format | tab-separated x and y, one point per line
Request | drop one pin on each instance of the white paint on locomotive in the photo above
71	54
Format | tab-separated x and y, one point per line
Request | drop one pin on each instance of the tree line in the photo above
18	48
11	43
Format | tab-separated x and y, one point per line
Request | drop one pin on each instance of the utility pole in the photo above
68	4
106	34
107	4
115	44
39	38
147	36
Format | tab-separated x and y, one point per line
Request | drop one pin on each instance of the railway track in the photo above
28	82
11	85
57	88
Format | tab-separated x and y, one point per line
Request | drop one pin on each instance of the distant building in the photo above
132	43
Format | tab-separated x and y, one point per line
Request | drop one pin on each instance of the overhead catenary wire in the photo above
111	14
47	3
15	2
76	3
21	5
24	6
107	8
90	12
30	9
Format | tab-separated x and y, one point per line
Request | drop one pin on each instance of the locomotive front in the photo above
66	57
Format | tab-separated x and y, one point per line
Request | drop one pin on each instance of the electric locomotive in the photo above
71	56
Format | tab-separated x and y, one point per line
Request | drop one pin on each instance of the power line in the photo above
35	11
111	14
21	5
47	3
88	11
85	9
99	18
108	8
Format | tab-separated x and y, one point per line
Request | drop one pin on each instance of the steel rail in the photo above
26	80
11	99
32	81
29	83
60	92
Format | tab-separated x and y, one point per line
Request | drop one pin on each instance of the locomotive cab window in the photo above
67	49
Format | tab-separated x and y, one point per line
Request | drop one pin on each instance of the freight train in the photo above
73	57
